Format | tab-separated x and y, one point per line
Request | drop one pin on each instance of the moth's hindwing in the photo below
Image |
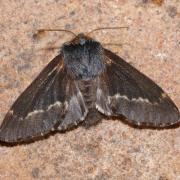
135	96
77	109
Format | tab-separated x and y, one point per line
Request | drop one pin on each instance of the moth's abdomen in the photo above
89	93
88	89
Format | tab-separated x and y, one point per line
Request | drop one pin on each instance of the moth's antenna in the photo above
41	31
102	28
115	44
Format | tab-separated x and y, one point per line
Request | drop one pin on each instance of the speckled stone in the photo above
110	150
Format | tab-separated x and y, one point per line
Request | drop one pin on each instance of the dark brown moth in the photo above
81	84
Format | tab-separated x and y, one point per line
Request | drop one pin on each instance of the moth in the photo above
81	85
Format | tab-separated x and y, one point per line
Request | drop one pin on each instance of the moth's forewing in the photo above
135	96
39	107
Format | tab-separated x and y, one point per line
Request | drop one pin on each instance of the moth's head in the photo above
83	57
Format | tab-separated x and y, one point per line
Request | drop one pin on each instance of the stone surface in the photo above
111	150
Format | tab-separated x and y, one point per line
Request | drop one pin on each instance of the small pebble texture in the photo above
111	150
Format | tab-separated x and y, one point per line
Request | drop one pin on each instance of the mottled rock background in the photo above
112	149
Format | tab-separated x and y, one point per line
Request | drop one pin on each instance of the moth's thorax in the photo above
83	57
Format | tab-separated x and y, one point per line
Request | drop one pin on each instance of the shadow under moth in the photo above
81	85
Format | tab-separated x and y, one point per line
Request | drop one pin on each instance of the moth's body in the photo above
84	82
84	63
